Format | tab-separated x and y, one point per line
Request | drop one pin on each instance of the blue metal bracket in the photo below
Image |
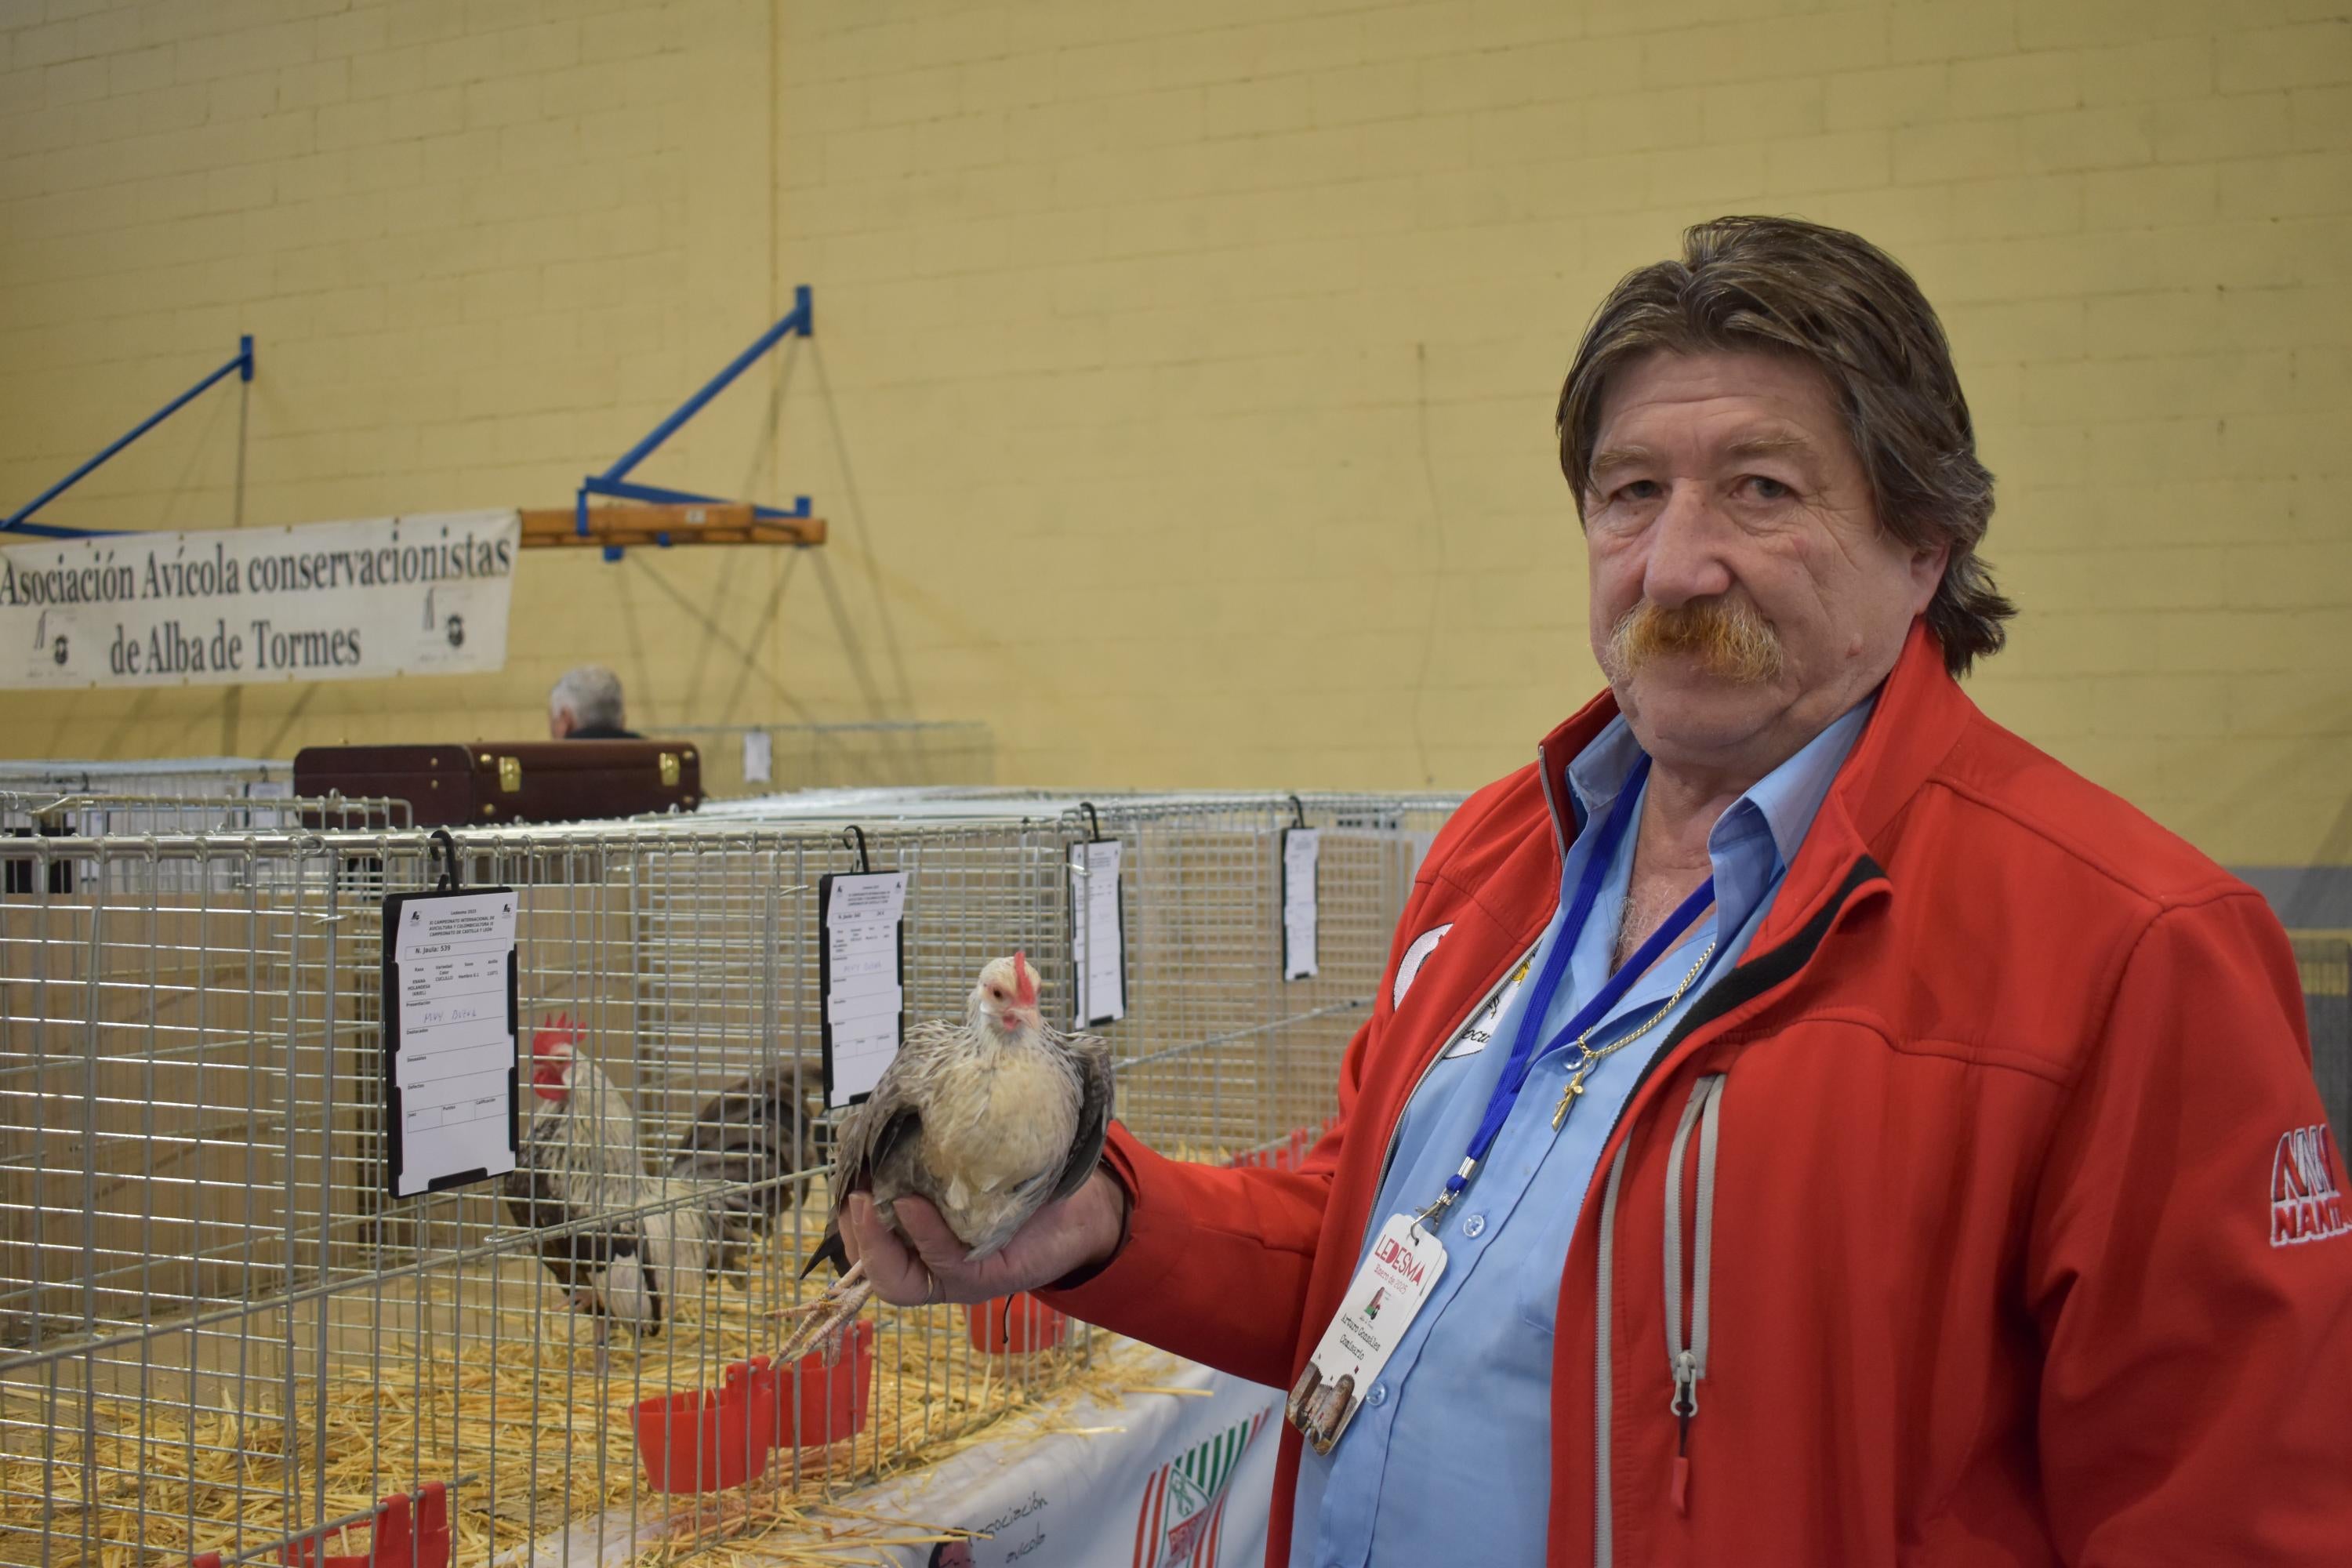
613	482
242	364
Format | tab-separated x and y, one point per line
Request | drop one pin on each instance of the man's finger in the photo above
899	1277
849	1235
934	1242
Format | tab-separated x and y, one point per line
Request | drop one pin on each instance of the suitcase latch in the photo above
668	763
510	774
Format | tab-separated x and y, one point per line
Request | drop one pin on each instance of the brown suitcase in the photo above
493	782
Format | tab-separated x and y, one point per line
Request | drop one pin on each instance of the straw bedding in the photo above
527	1428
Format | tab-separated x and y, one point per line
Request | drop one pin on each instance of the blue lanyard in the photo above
1547	985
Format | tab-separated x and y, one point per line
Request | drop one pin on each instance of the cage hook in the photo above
444	850
1298	812
1094	823
854	836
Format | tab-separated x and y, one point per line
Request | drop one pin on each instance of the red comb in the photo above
550	1049
1025	980
559	1033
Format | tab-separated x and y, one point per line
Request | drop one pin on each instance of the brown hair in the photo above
1841	304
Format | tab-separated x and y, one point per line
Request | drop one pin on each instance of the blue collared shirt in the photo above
1449	1458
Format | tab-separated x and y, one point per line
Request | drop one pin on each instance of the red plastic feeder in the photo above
1017	1323
705	1442
396	1544
832	1401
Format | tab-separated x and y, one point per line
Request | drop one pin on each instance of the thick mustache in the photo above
1728	638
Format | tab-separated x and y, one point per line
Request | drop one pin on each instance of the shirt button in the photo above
1474	1224
1378	1396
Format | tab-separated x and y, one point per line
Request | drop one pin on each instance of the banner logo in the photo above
1184	1509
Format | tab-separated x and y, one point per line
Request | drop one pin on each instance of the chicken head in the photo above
552	1049
1005	999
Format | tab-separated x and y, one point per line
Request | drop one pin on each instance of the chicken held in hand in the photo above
990	1119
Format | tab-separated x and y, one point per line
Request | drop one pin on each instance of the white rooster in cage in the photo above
613	1235
582	1176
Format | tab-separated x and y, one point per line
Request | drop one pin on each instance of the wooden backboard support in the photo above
718	522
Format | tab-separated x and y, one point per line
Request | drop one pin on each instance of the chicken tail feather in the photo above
829	1251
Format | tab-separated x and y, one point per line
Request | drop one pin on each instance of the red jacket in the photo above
2022	1249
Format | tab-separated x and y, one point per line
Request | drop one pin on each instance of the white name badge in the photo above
1381	1302
1480	1029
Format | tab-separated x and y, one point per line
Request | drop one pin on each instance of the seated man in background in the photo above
1801	1123
586	706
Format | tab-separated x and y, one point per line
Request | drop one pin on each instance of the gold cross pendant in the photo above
1568	1097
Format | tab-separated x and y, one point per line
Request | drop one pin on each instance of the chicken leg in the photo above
824	1320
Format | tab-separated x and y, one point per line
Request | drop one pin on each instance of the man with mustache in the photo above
1851	1137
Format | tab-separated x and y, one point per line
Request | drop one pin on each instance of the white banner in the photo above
329	601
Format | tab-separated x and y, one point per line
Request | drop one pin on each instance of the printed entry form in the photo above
449	994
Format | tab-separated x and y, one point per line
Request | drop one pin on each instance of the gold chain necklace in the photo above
1576	1085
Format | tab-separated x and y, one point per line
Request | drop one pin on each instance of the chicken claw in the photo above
823	1320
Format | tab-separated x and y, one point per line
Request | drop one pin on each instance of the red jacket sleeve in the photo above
1217	1258
2198	1337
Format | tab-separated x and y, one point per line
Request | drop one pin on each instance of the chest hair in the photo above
1648	902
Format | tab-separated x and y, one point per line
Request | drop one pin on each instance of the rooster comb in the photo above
1025	980
556	1038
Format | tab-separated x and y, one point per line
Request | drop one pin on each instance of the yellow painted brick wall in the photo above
1180	397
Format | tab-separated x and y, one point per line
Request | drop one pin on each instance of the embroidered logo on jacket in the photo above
1415	956
2306	1197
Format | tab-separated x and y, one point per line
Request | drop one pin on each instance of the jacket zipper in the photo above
1746	980
1687	1356
1604	1373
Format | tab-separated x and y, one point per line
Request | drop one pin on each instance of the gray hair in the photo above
1836	300
594	695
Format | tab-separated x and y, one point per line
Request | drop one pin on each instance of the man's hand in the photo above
1081	1231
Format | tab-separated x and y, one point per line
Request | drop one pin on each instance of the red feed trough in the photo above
1017	1323
832	1401
705	1442
397	1541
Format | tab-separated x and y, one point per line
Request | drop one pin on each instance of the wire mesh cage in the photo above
94	816
1219	1056
219	1337
99	816
179	777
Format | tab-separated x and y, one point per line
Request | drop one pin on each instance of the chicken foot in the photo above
823	1320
